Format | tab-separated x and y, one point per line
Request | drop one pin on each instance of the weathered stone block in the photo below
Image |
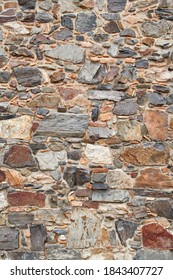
155	29
63	124
57	252
105	95
26	198
68	52
91	73
118	179
28	76
162	208
116	5
9	238
38	237
20	218
85	22
125	108
125	230
98	154
3	201
50	160
129	130
110	196
27	5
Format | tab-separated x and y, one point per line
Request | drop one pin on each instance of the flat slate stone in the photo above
116	5
27	5
110	196
125	230
155	29
57	252
63	124
85	22
105	95
68	52
38	237
153	255
91	73
125	108
20	218
24	256
9	238
28	76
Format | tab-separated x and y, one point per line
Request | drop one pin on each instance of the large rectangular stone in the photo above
110	196
111	95
63	124
9	238
20	218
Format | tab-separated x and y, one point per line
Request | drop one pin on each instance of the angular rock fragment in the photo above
85	22
91	73
105	95
9	238
155	29
20	218
26	198
3	201
98	154
162	208
27	5
118	179
28	76
125	108
57	252
110	196
38	237
129	130
147	254
116	5
125	230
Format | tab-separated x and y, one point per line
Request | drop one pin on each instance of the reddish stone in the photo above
157	124
4	19
57	77
34	126
26	199
90	204
153	178
111	27
2	176
19	156
154	236
69	93
83	193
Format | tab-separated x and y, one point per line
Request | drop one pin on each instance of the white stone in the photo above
3	201
49	160
118	179
98	154
16	128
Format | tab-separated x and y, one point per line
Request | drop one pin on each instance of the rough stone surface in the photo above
156	123
153	255
125	108
155	29
116	5
118	179
85	22
56	252
98	154
28	76
125	230
129	130
49	160
9	238
105	95
20	218
69	52
64	124
111	196
91	73
162	208
38	237
3	201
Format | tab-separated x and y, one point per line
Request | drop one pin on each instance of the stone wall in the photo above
86	128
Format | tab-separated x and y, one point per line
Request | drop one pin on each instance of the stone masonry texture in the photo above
86	129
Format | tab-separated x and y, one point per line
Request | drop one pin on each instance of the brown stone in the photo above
19	156
148	41
153	178
111	27
90	204
157	124
26	199
83	193
2	176
146	155
162	208
14	178
69	93
57	77
45	100
154	236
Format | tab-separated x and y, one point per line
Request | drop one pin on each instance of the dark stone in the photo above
116	5
74	155
38	237
5	76
80	38
153	255
43	17
24	256
83	193
9	238
4	19
67	22
57	252
111	27
169	99
2	176
125	230
95	114
156	99
99	38
129	73
111	16
99	177
19	156
6	116
128	32
42	111
142	98
162	208
40	39
22	52
165	13
100	186
70	176
125	108
162	89
142	63
18	218
27	5
82	176
26	17
28	76
85	22
170	109
126	52
63	34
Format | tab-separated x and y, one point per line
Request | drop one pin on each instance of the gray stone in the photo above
91	73
5	76
113	50
38	237
101	37
99	177
153	255
128	32
82	176
125	230
46	5
67	22
3	200
27	5
99	132
155	29
9	238
125	108
70	176
105	95
129	73
170	109
165	4
43	17
142	63
3	58
50	160
166	14
84	230
63	34
20	218
118	179
116	5
100	186
111	27
68	52
162	208
110	196
156	99
129	130
56	175
63	125
28	76
98	154
126	52
57	252
24	256
95	114
85	22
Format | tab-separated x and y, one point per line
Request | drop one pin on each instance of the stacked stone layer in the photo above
86	127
